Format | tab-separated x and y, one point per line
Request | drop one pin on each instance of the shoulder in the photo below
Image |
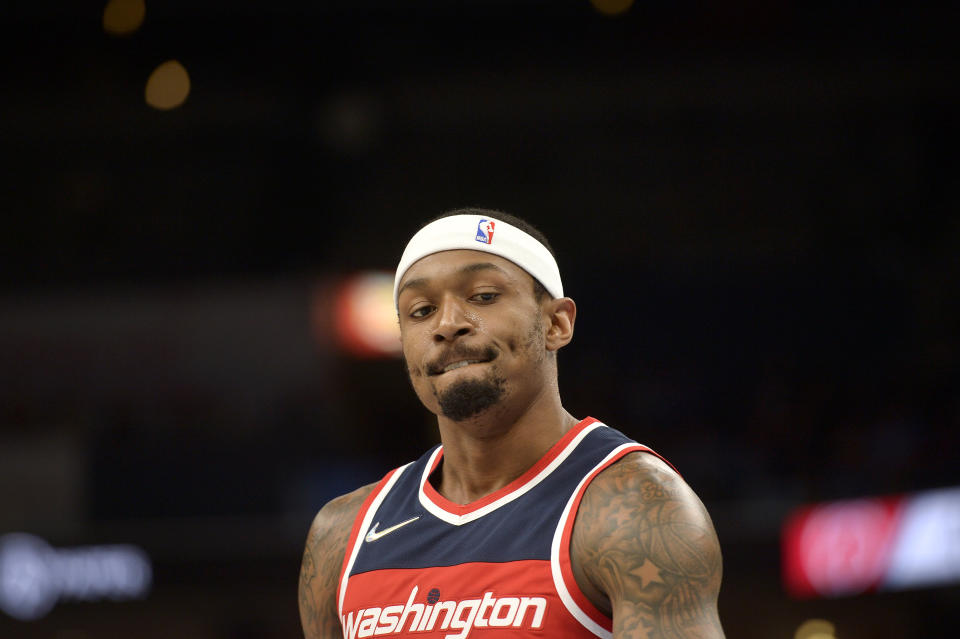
322	559
337	515
644	546
331	526
643	477
642	499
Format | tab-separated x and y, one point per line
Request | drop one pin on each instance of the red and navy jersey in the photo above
420	565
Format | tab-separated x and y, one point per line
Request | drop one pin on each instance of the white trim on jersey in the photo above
555	569
364	527
458	520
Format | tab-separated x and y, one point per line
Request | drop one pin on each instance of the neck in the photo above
486	453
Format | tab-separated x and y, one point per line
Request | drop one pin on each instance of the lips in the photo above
460	364
456	360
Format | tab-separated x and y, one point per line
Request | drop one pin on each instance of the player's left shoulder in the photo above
644	476
642	490
646	549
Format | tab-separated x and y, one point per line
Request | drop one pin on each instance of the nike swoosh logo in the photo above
373	535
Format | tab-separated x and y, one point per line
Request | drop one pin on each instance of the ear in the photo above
562	314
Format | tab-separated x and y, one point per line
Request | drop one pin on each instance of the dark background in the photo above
754	206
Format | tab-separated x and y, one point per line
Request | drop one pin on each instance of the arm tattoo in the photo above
322	561
644	540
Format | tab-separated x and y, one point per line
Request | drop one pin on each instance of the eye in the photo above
486	297
421	311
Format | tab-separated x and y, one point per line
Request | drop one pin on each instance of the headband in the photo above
478	233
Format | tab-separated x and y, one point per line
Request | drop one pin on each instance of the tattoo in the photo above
322	561
644	548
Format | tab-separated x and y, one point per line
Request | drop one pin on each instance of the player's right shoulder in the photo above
338	514
322	559
331	527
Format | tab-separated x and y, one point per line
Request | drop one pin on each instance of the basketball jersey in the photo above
420	565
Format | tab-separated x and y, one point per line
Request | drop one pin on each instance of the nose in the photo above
452	321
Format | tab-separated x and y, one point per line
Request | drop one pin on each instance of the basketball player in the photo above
525	521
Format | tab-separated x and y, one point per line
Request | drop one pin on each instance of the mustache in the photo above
484	354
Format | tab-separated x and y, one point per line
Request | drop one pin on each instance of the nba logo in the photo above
485	231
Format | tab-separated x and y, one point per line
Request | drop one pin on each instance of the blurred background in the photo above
754	205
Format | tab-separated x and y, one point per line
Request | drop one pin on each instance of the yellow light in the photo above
168	86
366	319
123	17
815	629
612	7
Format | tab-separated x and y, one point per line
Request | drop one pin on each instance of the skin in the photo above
643	548
322	559
644	551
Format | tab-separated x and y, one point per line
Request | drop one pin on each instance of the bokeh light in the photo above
612	7
123	17
366	319
815	629
168	86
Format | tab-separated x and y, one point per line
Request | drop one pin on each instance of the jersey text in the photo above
459	616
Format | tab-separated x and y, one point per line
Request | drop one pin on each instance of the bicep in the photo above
643	538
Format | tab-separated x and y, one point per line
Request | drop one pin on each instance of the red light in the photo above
365	319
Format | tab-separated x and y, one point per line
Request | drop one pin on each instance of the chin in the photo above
470	396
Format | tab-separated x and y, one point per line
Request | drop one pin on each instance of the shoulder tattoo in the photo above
646	549
321	564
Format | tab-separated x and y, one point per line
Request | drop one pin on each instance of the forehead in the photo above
459	262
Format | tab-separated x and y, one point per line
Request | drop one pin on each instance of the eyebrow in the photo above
475	267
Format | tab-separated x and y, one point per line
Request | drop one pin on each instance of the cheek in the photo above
529	339
413	368
411	372
536	338
412	351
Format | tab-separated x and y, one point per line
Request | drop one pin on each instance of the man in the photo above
526	521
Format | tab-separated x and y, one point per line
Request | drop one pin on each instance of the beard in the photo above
470	397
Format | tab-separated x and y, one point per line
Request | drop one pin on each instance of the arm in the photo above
322	561
644	549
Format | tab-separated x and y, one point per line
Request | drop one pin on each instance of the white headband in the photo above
478	233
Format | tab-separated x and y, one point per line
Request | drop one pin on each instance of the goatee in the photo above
470	397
